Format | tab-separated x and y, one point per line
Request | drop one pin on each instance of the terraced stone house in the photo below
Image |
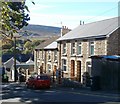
77	46
43	57
46	54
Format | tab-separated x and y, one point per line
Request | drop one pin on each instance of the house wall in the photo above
51	62
99	49
35	60
42	61
114	43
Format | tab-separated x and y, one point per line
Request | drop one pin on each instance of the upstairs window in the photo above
79	48
49	55
91	51
64	48
55	55
72	48
42	55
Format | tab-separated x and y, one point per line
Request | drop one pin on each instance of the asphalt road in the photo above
19	94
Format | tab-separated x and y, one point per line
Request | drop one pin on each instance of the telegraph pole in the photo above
15	70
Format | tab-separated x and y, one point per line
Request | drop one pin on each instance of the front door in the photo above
79	71
72	69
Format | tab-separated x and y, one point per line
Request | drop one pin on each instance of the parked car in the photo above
39	81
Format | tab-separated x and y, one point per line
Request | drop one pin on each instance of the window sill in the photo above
90	56
64	54
49	60
55	61
73	55
79	55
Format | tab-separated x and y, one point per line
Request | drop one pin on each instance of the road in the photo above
19	93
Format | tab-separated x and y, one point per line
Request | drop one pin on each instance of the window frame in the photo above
79	46
73	48
91	48
42	54
49	55
64	64
55	55
64	49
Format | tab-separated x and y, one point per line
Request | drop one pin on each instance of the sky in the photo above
70	12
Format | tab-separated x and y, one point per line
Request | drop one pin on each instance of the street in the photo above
16	92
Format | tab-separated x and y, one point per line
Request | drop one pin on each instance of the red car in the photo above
40	81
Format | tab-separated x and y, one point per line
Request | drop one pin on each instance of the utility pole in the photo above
15	70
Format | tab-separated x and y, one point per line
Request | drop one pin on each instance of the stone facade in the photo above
51	61
102	46
73	60
113	43
41	57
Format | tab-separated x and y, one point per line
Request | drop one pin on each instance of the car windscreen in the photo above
42	77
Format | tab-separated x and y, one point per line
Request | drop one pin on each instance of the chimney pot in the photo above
83	22
80	22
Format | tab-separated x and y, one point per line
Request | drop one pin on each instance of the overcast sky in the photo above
70	12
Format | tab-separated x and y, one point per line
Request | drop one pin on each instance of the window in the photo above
79	51
49	68
38	54
49	55
64	48
72	48
91	48
64	65
88	66
55	55
42	55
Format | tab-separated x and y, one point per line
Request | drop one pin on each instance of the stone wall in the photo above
114	43
100	49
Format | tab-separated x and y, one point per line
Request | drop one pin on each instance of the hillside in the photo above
40	30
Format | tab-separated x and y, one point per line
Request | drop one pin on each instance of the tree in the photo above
28	45
13	17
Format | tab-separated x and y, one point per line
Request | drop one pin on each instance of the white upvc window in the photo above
91	50
38	54
72	48
55	55
64	65
64	48
49	55
42	54
79	48
49	68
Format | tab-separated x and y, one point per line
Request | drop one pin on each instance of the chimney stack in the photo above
64	30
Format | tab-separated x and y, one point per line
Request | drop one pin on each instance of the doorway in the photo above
79	71
72	69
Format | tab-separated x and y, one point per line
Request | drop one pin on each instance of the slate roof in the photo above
46	43
10	62
94	29
53	45
107	57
